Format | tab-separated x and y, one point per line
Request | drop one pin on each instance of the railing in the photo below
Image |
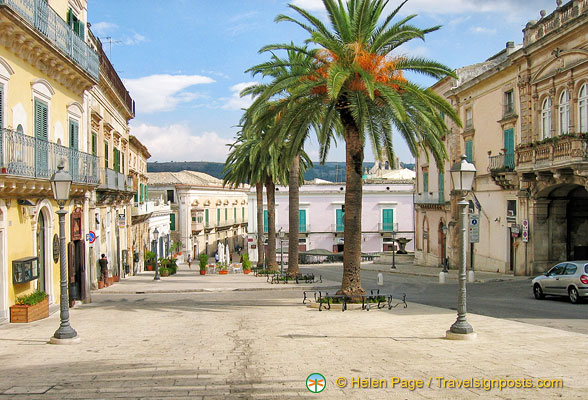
115	81
45	20
304	228
387	227
502	162
429	198
559	17
114	180
27	156
562	150
337	227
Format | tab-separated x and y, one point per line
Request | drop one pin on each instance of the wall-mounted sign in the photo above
525	230
91	237
474	228
55	248
76	224
122	220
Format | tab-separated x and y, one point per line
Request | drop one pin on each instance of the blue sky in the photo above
183	61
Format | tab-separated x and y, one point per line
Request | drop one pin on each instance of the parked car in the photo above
569	278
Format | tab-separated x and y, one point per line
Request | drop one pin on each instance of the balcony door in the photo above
41	136
340	221
509	148
388	220
74	155
302	221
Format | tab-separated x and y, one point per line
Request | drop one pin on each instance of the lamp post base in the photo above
74	340
460	336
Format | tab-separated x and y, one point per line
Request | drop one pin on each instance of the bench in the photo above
381	299
307	278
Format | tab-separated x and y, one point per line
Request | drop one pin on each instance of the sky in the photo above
184	61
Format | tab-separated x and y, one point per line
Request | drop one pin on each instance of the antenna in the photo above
108	39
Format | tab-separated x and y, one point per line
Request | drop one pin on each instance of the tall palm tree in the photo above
358	88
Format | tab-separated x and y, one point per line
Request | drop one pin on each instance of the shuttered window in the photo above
74	133
41	133
265	221
116	159
94	143
469	150
172	222
388	220
106	154
1	106
302	221
340	220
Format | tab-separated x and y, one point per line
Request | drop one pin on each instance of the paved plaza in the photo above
236	336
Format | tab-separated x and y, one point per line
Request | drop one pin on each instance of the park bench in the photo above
374	296
306	278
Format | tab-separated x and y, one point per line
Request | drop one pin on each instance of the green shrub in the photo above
32	299
246	262
164	271
203	261
150	256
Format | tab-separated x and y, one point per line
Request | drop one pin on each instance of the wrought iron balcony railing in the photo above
338	227
30	157
429	198
502	163
556	152
112	180
387	227
46	21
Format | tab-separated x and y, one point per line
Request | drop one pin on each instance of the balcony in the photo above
197	226
338	228
552	153
117	86
429	198
552	22
48	23
112	180
304	228
28	157
387	227
502	170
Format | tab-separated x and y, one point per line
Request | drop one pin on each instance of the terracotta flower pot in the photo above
202	272
149	267
225	272
100	284
246	271
110	280
115	278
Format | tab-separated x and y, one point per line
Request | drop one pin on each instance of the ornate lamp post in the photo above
393	249
445	229
60	184
156	236
462	176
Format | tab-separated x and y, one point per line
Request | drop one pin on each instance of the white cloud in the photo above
179	142
236	102
136	38
311	5
481	29
163	92
103	28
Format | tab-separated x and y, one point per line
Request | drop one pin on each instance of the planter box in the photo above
116	278
203	272
246	271
110	281
23	313
100	284
223	272
149	267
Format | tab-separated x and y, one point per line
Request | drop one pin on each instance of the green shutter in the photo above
94	143
218	216
116	160
302	221
509	147
388	220
141	192
74	130
226	214
234	214
1	106
41	133
206	217
425	182
105	154
441	187
172	222
146	193
122	163
469	149
242	213
340	220
265	221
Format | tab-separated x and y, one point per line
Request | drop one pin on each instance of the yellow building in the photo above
525	119
45	68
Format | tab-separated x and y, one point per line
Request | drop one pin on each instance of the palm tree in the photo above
357	87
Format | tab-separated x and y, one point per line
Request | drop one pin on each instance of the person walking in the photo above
189	262
103	269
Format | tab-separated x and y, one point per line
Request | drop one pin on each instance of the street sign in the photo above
91	237
474	228
525	234
122	220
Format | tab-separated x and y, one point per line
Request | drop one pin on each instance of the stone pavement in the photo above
263	344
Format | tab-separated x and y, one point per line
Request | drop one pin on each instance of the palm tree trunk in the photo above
351	283
260	249
270	188
293	217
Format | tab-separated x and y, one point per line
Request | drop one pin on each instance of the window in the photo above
1	106
441	187
234	214
206	219
218	216
105	154
388	220
557	270
564	113
546	118
302	221
74	129
94	143
509	148
571	269
42	133
170	196
172	222
425	181
140	192
242	213
583	108
76	25
146	192
469	151
116	159
469	118
340	220
226	214
265	221
509	102
511	210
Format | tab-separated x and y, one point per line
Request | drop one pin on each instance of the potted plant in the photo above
246	264
172	265
203	261
163	271
175	248
222	268
30	308
150	258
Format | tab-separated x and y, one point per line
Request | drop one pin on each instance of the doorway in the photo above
76	271
41	253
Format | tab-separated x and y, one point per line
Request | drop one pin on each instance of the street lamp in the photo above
156	236
281	236
393	249
462	176
61	184
445	229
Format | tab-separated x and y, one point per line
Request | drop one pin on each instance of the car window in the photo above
571	269
557	270
586	268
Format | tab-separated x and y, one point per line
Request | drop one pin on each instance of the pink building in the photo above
387	212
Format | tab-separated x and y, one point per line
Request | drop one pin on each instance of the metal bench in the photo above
382	300
306	278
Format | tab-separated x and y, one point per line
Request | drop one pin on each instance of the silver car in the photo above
569	278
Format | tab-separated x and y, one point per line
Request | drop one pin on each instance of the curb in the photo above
215	290
485	280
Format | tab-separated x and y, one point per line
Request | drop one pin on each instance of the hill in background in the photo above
331	171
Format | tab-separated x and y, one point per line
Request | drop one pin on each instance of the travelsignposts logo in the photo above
316	383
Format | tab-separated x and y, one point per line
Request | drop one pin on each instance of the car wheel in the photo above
538	292
573	293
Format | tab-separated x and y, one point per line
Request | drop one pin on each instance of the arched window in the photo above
564	113
583	108
546	118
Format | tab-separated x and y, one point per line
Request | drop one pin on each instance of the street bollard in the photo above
471	277
442	276
380	279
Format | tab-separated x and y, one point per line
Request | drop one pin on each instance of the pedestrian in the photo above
189	262
103	269
216	256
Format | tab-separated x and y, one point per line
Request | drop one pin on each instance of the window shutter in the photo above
206	219
73	134
172	222
340	220
141	192
218	215
425	182
146	192
302	221
265	221
388	219
1	106
441	186
469	148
